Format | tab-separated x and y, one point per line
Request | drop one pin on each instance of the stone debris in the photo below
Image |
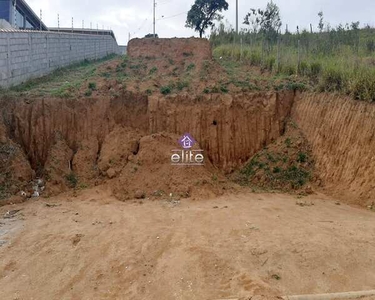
10	214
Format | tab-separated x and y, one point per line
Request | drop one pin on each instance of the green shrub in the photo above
190	67
92	86
224	89
72	179
88	93
362	87
165	90
153	70
296	86
302	157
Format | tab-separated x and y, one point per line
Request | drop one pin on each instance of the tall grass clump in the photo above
340	59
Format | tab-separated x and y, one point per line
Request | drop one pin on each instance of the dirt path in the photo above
95	247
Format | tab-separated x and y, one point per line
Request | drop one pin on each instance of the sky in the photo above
135	17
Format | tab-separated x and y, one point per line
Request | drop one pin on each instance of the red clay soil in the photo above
341	132
85	142
178	49
88	141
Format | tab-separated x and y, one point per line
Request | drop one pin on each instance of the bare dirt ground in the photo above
92	246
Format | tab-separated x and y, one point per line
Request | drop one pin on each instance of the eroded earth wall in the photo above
342	134
230	128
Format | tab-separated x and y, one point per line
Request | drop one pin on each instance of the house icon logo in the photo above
187	141
187	156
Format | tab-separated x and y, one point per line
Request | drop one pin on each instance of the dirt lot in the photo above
92	246
79	145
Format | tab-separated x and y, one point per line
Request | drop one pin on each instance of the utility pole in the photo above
237	16
72	24
154	18
58	22
40	25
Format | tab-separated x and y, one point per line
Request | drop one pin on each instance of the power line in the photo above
139	29
165	18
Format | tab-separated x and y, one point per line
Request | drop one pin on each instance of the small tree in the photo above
321	21
203	14
267	22
151	35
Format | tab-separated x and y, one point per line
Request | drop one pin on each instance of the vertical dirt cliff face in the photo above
79	122
92	139
342	134
229	128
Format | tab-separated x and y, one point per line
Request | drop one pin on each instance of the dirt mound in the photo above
177	49
150	173
287	164
169	66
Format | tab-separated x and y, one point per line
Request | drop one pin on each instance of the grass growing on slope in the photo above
344	73
63	82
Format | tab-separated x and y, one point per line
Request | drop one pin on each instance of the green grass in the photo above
63	82
343	72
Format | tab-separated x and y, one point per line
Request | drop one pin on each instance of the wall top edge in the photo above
52	32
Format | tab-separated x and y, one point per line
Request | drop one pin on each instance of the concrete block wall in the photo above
30	54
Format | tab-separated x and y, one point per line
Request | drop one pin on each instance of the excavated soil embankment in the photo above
127	139
130	139
341	132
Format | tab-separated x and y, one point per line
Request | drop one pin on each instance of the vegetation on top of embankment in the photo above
62	83
340	59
